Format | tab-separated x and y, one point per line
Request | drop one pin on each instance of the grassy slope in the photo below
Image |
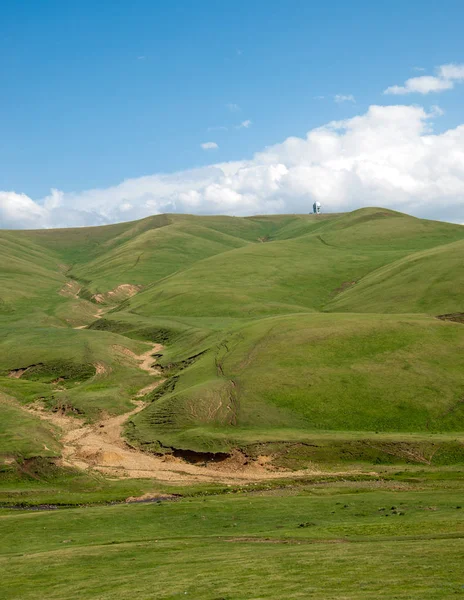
306	272
302	372
153	255
281	375
160	246
427	282
265	279
24	435
29	275
60	348
218	285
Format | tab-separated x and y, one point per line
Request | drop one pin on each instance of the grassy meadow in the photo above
345	540
308	344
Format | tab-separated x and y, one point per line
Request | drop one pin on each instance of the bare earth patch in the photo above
146	361
97	315
150	497
149	388
70	289
18	373
118	294
454	317
98	298
101	368
123	291
101	446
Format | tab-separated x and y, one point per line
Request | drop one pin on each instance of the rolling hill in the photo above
296	331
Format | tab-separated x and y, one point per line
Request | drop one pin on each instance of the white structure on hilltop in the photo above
316	208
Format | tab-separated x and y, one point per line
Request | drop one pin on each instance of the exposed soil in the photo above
455	317
18	373
123	291
295	541
98	298
70	289
98	315
101	446
146	361
150	497
149	388
101	368
118	294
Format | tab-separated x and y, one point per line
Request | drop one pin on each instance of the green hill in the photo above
280	329
429	281
289	374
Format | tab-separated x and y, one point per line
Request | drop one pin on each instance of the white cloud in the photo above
388	157
452	71
245	124
209	146
339	98
445	79
20	211
233	107
421	85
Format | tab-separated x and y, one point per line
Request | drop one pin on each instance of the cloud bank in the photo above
388	157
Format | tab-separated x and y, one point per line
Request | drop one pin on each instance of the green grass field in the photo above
297	341
346	540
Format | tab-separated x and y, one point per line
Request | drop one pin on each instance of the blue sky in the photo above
95	93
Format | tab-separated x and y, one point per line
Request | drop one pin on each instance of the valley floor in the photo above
401	538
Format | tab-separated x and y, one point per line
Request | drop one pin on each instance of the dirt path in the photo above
98	315
149	388
101	446
72	289
146	361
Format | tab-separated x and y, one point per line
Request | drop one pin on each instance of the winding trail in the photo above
98	315
102	447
